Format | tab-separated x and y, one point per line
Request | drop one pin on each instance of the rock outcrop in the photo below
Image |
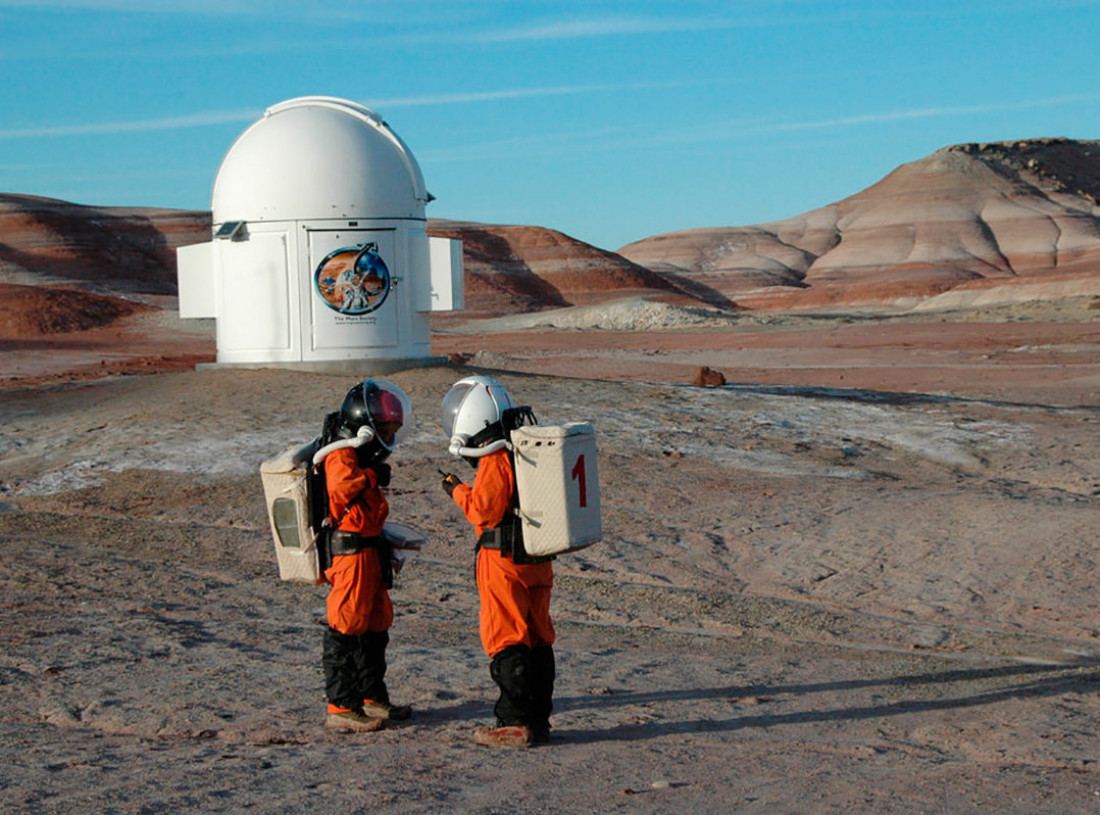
968	217
29	311
705	377
48	242
510	269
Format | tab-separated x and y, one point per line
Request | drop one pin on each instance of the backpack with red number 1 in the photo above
558	486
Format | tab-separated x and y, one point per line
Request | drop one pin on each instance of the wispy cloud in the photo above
750	15
617	139
748	128
220	117
603	27
514	93
714	131
109	128
389	11
930	113
145	7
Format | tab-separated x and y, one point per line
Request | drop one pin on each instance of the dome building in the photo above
319	257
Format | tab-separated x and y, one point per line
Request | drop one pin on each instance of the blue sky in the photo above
610	121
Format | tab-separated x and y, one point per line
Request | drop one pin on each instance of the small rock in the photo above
706	378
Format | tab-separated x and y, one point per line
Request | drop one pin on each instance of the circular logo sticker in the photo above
353	280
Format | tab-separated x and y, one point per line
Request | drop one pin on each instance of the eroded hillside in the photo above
968	217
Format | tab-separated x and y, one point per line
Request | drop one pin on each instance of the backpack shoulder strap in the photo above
347	509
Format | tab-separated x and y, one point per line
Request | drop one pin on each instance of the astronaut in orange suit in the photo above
517	632
359	613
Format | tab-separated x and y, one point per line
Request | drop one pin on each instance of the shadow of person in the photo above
953	686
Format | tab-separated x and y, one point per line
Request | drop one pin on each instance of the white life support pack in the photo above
559	487
286	491
287	487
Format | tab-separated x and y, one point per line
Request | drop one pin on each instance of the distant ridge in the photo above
66	267
971	224
52	250
513	269
44	241
1020	216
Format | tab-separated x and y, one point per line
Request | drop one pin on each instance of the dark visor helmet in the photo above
373	404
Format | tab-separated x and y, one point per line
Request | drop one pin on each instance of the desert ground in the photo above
859	577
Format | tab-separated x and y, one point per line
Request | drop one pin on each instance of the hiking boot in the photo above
384	710
540	734
352	721
513	735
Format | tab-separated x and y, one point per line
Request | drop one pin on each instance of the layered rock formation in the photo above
122	249
972	224
53	253
511	269
66	267
1020	217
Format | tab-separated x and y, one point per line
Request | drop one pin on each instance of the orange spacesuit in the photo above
359	610
359	600
516	629
515	597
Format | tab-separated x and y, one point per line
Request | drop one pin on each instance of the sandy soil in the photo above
815	594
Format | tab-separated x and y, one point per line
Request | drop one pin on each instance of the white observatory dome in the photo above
318	157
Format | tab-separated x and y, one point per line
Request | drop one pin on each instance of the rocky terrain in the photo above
59	261
807	599
66	267
119	249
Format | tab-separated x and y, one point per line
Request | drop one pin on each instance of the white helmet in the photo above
472	410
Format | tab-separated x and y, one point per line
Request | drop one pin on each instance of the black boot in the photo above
543	672
511	670
371	666
339	658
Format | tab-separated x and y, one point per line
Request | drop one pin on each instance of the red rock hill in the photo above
1008	219
967	218
122	249
511	269
66	267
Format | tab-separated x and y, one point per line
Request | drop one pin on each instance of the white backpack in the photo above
286	480
291	483
559	487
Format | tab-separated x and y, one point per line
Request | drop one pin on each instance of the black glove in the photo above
382	471
450	481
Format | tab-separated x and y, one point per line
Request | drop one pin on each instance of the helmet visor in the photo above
385	407
452	404
389	410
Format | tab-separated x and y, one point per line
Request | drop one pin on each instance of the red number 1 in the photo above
579	476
